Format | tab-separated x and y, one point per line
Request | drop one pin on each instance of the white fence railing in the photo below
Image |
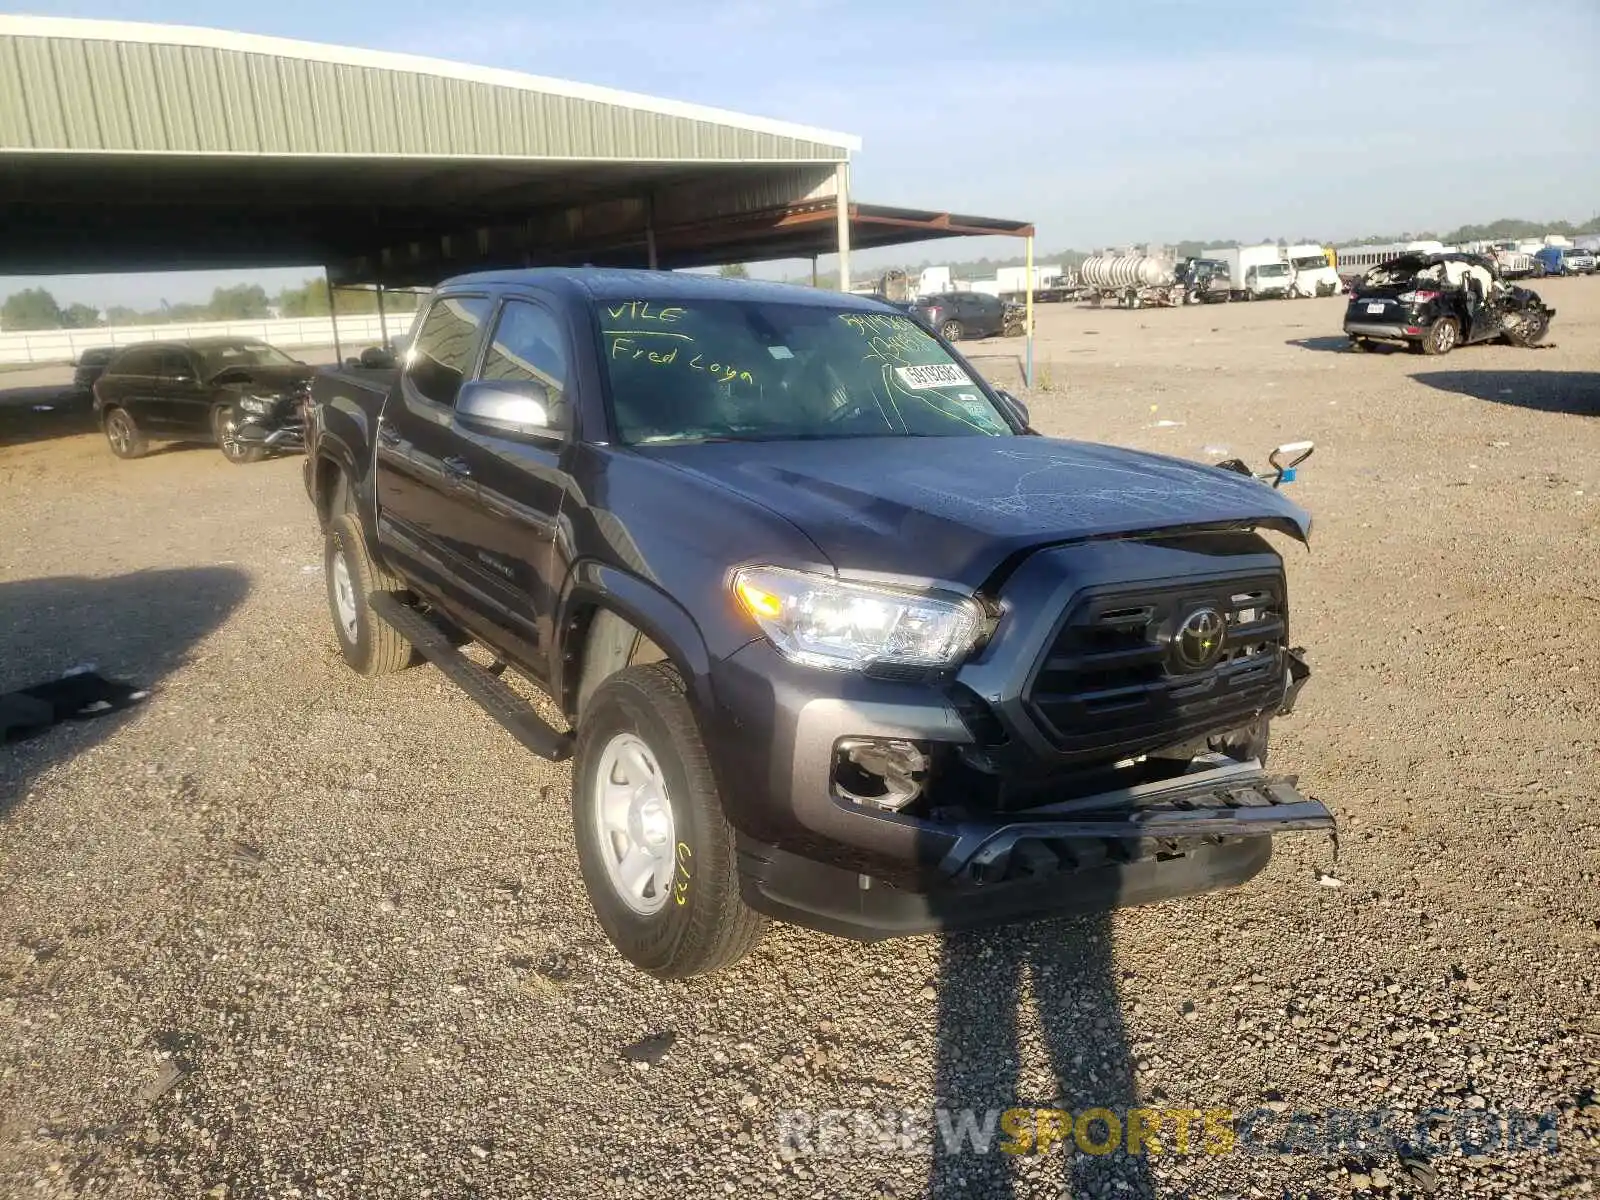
64	345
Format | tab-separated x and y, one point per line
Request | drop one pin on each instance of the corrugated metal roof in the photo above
73	85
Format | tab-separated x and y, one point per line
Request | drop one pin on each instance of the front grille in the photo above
1111	682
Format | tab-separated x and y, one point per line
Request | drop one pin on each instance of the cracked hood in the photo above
954	509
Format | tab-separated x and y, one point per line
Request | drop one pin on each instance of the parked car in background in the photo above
1564	260
957	315
1436	302
243	395
89	366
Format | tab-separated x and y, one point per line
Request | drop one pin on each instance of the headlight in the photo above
827	622
260	405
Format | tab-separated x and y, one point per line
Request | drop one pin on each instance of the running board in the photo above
482	684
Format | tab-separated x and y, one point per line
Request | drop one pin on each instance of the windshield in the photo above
729	370
219	358
1273	269
1310	264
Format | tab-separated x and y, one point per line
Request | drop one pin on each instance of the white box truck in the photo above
1254	272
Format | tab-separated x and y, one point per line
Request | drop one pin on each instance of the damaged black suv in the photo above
1436	302
830	634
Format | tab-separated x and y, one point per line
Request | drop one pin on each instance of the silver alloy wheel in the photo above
634	824
117	432
344	596
1444	337
227	434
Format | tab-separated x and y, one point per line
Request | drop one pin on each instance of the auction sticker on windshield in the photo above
932	375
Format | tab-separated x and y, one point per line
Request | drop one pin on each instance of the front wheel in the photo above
1529	330
234	449
656	852
1441	337
950	331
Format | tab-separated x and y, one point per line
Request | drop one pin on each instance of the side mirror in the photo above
1017	408
515	408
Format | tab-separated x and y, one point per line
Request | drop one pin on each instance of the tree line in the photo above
36	309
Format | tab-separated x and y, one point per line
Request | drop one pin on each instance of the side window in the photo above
139	362
528	344
174	363
441	356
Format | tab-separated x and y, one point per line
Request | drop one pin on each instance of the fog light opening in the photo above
882	773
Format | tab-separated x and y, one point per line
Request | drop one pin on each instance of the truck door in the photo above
520	483
425	492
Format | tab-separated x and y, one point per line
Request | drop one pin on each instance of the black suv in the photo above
244	395
832	635
1433	303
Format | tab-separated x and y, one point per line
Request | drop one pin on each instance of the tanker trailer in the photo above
1132	280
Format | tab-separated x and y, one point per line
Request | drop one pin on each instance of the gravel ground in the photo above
279	931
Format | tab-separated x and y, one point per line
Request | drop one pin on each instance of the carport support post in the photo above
333	318
1028	318
842	176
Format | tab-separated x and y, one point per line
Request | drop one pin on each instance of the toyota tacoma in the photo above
833	635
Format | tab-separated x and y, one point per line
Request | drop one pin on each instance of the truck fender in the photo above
334	454
649	610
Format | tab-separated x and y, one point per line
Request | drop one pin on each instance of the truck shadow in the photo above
1573	392
1065	967
138	627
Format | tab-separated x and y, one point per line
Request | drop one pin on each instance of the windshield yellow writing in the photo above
629	345
641	310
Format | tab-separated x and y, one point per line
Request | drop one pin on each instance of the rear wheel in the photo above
233	449
369	645
950	331
657	854
1441	337
122	435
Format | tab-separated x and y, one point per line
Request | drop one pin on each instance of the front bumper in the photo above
1198	833
1019	817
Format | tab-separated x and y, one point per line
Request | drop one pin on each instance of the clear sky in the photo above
1103	121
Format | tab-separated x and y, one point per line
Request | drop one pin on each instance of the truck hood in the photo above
953	509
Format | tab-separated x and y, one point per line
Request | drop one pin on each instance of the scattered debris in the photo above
1329	881
166	1079
82	692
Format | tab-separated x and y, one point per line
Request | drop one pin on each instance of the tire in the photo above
369	645
232	448
686	916
950	331
1530	332
123	435
1441	338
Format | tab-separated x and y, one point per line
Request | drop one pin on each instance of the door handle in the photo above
388	434
456	468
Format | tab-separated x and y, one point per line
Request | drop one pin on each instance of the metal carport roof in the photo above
127	146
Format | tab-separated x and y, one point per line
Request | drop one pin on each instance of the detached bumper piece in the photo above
285	435
1162	822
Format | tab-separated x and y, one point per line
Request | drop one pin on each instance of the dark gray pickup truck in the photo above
834	636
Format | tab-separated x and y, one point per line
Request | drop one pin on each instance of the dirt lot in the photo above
281	932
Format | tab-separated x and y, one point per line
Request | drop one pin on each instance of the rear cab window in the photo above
442	354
